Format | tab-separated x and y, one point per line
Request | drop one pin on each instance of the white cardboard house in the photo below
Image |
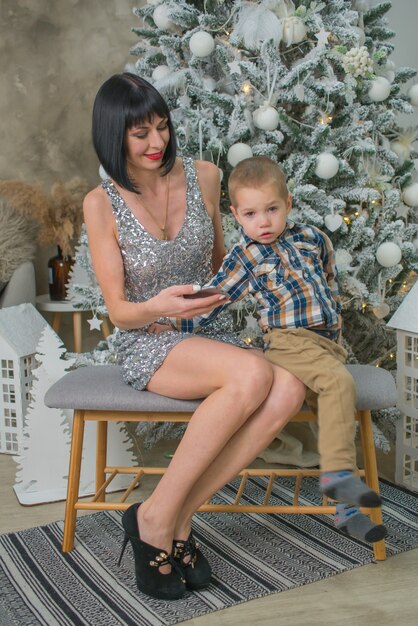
31	359
20	329
405	320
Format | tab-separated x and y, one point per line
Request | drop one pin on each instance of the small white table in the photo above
57	307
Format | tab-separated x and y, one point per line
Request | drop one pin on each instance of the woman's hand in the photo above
157	328
171	303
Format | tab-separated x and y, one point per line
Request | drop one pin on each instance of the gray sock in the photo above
355	524
344	486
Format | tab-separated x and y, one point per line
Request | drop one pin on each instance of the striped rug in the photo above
251	556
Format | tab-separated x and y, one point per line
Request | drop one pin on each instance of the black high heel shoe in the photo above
148	560
197	571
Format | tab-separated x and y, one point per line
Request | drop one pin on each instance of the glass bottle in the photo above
59	268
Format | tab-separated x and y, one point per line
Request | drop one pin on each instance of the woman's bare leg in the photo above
236	382
284	400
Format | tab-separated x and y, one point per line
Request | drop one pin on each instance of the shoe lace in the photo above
162	558
183	549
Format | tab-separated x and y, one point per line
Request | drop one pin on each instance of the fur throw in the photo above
17	241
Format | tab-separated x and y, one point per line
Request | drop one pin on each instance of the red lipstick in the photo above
155	157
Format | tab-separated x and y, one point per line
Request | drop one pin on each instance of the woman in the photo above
155	236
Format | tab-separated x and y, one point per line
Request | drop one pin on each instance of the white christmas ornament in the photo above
294	30
322	37
343	259
161	17
326	165
102	173
209	83
160	72
95	323
410	195
401	150
238	152
234	67
333	221
202	44
402	210
413	95
256	24
388	254
382	310
379	89
266	117
387	70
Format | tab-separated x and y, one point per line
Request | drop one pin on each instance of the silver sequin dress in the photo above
151	265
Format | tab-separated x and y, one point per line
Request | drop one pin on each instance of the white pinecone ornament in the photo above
358	62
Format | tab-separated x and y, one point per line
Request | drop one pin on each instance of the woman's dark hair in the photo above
123	101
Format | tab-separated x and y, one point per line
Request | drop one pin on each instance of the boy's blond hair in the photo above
256	172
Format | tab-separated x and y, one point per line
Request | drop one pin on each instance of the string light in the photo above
347	220
246	87
248	340
325	119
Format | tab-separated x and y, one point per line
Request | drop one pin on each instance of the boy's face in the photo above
262	212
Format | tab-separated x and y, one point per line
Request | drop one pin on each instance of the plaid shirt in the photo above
293	280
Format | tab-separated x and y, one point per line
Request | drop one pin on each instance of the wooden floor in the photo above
383	594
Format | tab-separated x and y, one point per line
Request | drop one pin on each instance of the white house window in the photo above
7	368
411	351
9	394
28	387
10	418
11	442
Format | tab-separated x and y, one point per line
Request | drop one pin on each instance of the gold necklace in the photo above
163	228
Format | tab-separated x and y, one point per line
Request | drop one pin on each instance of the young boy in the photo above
289	269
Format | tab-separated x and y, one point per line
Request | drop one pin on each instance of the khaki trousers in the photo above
319	364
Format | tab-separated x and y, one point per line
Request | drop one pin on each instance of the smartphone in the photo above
205	293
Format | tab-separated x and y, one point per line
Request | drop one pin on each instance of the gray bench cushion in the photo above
101	387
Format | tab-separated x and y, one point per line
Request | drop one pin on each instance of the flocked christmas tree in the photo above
311	85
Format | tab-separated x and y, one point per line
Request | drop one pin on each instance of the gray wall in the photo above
54	54
403	19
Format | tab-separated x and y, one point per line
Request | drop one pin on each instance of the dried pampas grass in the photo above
59	213
17	240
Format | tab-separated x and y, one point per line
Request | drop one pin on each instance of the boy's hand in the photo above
170	302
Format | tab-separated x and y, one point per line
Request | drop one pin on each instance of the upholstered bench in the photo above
98	393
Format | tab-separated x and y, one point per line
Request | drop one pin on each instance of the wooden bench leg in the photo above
101	456
77	332
56	321
105	326
73	481
371	475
